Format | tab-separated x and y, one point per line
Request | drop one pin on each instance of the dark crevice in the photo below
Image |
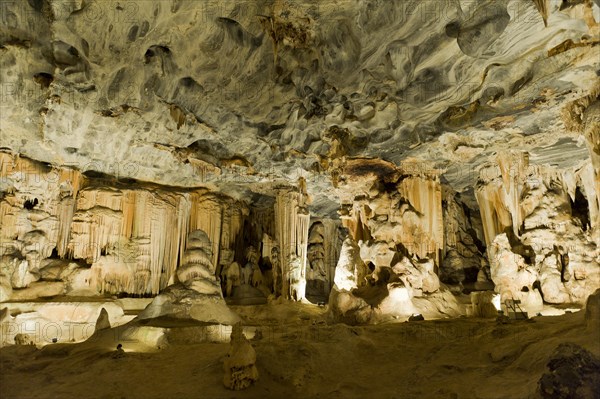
30	204
579	209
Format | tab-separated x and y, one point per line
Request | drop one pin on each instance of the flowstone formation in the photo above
100	235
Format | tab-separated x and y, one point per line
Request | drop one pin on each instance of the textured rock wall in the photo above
246	97
186	92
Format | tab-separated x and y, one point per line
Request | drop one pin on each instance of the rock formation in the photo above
171	168
541	230
239	365
592	311
573	373
455	144
198	294
396	240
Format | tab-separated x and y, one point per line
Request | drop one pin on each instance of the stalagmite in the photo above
407	210
239	365
301	252
350	271
197	270
198	294
308	167
332	243
318	276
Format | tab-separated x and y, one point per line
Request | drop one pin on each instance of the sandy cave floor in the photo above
301	356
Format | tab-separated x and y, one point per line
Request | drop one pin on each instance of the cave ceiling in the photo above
245	96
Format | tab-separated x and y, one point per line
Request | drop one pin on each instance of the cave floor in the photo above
301	356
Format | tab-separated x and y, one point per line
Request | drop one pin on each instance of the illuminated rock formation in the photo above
198	294
292	224
540	229
430	137
131	237
396	242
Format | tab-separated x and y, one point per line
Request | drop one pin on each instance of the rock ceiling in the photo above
247	94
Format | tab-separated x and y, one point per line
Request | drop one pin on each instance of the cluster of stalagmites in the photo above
542	230
395	247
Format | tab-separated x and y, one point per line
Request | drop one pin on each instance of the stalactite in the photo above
590	183
66	209
96	224
134	237
533	216
407	212
331	247
183	223
139	229
129	202
206	215
232	224
425	195
49	193
285	220
495	215
513	167
591	175
303	223
267	245
500	190
291	223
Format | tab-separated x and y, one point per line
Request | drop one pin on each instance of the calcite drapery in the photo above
292	223
395	205
131	234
